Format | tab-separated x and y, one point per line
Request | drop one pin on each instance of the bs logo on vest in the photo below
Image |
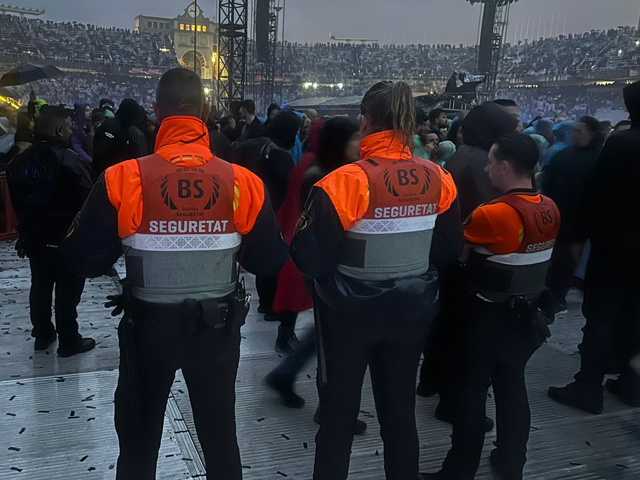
190	188
409	177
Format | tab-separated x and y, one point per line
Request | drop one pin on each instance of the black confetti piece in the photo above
283	474
12	397
43	411
90	418
91	406
11	414
73	412
87	399
621	466
21	431
14	449
575	464
246	466
187	459
84	458
18	383
377	453
91	469
305	445
16	469
169	455
588	444
260	419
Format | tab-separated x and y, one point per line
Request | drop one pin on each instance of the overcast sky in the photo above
390	21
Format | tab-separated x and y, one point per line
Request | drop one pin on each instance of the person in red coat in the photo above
334	142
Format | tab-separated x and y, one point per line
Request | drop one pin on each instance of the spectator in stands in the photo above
426	145
565	180
272	111
452	83
81	128
512	108
120	138
252	127
439	121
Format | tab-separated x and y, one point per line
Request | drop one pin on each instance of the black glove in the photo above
20	248
117	303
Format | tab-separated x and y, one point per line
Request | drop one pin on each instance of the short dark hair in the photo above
506	102
180	92
49	119
520	151
435	113
249	106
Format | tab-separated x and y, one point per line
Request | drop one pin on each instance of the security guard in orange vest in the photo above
510	243
182	217
372	236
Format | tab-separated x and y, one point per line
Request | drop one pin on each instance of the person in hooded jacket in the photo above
441	367
219	143
120	138
81	128
565	180
611	302
563	138
268	157
334	143
482	126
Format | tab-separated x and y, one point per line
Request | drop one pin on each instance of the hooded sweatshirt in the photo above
563	133
81	127
120	138
611	204
481	128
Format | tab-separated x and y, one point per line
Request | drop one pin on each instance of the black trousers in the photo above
612	332
48	273
498	347
391	349
149	358
560	277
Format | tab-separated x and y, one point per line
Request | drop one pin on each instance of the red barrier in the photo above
8	220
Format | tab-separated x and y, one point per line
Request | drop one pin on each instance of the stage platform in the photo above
56	414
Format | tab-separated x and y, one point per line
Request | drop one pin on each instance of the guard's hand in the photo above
117	303
20	248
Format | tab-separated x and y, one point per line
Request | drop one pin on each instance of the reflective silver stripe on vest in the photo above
167	269
183	243
394	225
517	258
393	248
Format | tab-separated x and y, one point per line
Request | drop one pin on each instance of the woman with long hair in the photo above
369	239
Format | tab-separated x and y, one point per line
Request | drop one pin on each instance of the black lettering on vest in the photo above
184	188
403	178
547	218
415	178
196	186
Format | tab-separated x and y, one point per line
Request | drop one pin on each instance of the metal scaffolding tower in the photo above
232	44
269	68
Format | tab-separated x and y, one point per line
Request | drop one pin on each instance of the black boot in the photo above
287	340
624	392
579	395
500	469
359	428
283	384
82	345
445	415
44	343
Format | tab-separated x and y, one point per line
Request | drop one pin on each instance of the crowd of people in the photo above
528	193
48	41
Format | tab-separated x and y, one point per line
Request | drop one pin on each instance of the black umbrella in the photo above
28	73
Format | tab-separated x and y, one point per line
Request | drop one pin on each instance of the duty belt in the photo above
193	313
